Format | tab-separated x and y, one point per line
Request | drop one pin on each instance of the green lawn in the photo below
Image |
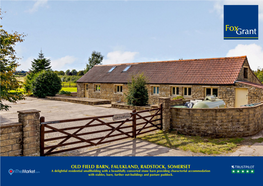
197	144
69	84
70	89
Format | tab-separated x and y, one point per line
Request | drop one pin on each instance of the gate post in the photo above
31	136
42	136
166	115
134	123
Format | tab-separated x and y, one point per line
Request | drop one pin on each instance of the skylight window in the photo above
112	69
127	68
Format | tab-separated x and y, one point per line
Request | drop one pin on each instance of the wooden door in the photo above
241	97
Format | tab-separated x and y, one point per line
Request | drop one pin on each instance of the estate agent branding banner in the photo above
131	170
240	21
129	32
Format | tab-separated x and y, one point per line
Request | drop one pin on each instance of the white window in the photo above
187	91
155	90
211	92
174	91
118	88
97	88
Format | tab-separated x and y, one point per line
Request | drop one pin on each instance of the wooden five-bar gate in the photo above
55	137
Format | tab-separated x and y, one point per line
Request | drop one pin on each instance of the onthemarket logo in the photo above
240	22
22	171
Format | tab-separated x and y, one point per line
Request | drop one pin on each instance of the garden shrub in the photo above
178	97
28	82
137	91
63	78
47	83
65	92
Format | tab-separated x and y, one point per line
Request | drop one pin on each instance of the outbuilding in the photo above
230	79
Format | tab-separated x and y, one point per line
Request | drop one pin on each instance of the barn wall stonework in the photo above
225	92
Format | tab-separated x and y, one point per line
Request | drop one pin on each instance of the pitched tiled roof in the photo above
250	84
195	71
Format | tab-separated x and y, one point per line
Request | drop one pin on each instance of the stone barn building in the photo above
229	78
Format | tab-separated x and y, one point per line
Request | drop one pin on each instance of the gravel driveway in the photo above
58	110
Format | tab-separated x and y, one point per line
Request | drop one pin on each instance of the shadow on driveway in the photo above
132	147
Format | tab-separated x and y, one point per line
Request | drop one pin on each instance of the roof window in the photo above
112	69
127	68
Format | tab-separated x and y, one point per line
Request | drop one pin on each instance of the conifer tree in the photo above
40	64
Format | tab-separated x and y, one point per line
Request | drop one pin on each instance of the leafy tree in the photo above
80	73
8	65
47	83
137	91
67	72
40	64
29	80
62	73
259	74
74	72
95	59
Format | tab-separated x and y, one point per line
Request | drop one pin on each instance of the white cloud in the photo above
218	6
58	64
38	3
253	52
25	64
119	57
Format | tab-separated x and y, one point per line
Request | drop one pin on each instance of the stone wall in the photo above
225	122
81	90
11	139
225	92
23	138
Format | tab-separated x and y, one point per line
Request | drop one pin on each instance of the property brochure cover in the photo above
131	92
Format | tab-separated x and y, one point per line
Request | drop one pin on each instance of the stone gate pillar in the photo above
166	112
31	132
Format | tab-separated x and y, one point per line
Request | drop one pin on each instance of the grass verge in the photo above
197	144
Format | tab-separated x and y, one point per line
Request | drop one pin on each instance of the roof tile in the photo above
193	71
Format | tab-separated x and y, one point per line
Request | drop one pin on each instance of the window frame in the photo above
117	89
174	91
212	90
187	91
155	87
95	88
245	72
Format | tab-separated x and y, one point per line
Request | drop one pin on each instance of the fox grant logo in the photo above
240	22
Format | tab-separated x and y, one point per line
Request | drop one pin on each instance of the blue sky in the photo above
124	31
